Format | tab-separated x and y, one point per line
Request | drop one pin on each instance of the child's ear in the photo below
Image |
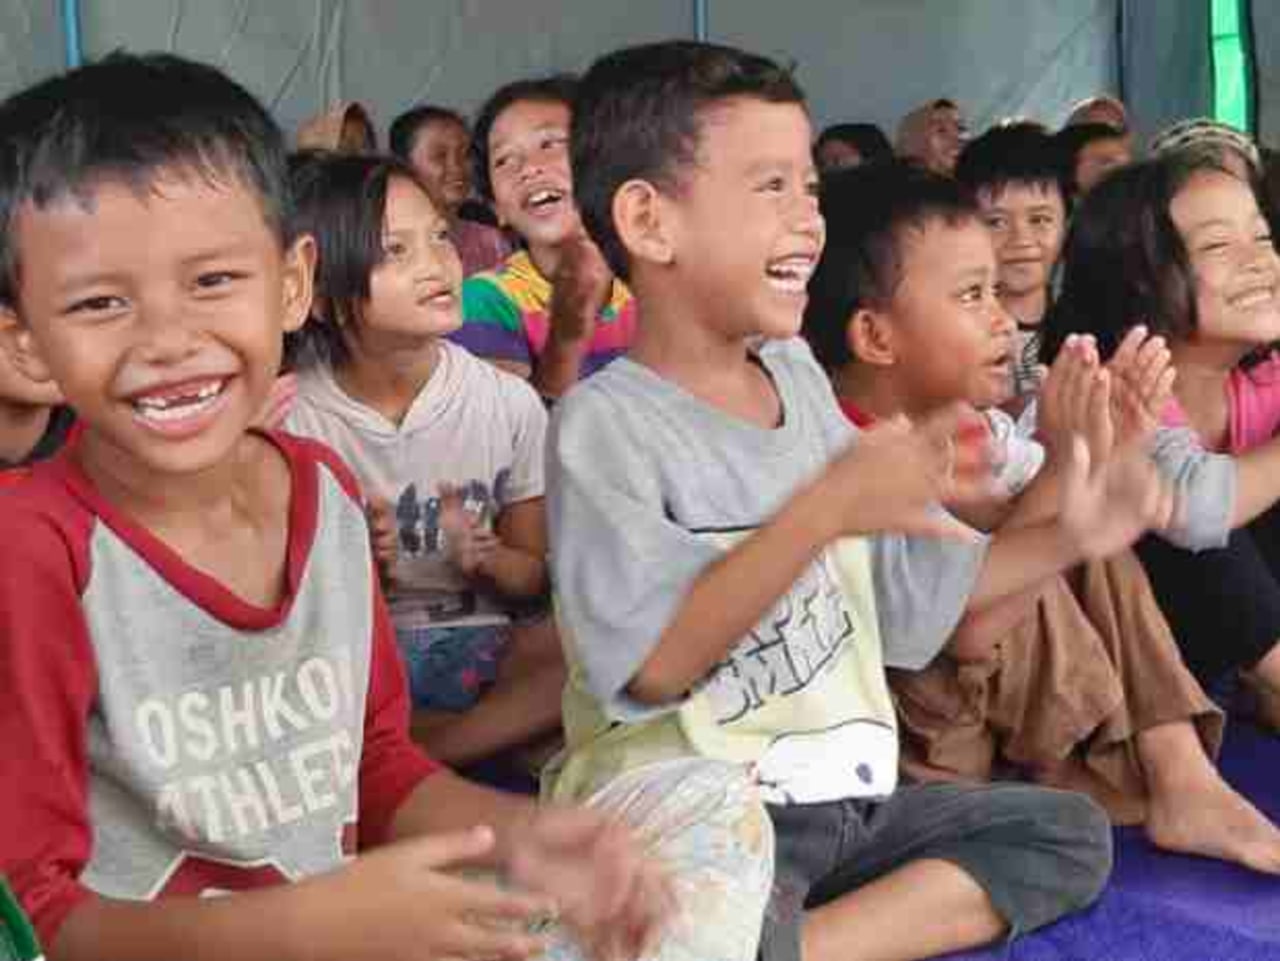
870	338
17	342
298	281
639	216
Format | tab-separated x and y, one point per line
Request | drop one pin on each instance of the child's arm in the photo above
698	599
512	558
581	288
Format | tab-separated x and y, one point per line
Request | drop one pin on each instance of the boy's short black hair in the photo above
559	88
637	115
1021	152
341	201
869	210
866	138
129	117
404	129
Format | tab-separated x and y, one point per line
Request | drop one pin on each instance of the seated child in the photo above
451	445
34	423
1181	245
932	135
850	145
1079	682
344	128
199	692
435	141
1088	152
554	312
1014	172
731	558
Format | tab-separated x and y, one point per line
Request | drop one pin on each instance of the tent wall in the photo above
1168	74
1265	24
30	42
299	55
876	59
858	59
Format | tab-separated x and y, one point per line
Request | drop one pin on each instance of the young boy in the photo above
1014	171
729	554
553	312
1079	682
199	691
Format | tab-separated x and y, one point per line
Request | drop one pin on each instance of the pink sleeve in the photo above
48	680
1254	398
391	765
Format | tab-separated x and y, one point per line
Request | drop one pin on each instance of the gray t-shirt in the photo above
645	481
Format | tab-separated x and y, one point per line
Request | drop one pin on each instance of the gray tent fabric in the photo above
1265	24
874	60
30	42
1167	71
300	56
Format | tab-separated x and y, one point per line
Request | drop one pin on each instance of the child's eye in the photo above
501	161
997	223
97	305
773	185
552	141
1042	220
394	249
971	295
217	278
813	187
442	236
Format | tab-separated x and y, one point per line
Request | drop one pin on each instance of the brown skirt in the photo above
1093	664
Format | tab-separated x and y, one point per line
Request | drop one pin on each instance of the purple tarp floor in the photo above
1163	907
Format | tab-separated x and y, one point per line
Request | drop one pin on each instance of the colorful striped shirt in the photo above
507	316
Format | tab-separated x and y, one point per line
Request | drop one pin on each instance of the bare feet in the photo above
1210	819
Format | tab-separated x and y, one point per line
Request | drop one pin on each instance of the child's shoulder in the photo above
309	457
48	519
478	376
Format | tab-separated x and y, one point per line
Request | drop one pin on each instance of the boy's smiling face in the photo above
159	310
951	339
747	232
1027	224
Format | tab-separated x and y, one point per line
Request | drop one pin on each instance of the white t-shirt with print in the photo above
472	426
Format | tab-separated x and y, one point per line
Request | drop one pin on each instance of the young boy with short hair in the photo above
554	312
731	558
1015	173
199	691
1079	682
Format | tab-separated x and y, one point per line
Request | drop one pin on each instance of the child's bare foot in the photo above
1211	820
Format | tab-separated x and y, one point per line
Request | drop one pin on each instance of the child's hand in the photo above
895	476
468	544
1142	383
279	402
1106	507
582	284
616	901
399	904
1064	402
382	534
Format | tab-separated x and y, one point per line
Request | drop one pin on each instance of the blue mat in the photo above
1164	907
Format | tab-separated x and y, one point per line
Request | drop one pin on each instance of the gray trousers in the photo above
1039	854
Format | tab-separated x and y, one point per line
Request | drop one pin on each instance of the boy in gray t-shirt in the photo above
734	565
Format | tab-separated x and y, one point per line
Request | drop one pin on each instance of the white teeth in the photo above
1254	297
791	275
179	406
540	197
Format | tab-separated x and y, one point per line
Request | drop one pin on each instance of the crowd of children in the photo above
840	536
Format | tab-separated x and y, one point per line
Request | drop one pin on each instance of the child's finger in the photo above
1130	346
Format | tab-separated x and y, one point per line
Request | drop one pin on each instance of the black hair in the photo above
638	115
866	138
404	129
559	88
1071	142
1021	152
341	201
131	117
1124	262
869	211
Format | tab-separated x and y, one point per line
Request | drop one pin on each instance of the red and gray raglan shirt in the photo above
162	736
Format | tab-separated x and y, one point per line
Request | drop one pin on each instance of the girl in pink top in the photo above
1180	244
